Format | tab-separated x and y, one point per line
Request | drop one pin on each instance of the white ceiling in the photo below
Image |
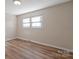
29	5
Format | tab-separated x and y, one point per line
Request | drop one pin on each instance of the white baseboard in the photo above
7	39
46	44
22	38
52	46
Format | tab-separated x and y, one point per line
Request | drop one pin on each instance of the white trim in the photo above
46	44
7	39
22	38
52	46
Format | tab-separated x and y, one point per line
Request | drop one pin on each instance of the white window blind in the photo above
26	22
36	22
33	22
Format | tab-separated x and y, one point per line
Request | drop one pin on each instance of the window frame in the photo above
36	22
26	23
35	27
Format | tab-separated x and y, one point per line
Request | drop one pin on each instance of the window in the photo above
26	22
34	22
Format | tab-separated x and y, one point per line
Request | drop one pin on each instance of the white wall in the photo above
57	28
10	26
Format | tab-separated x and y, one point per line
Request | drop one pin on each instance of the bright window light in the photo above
26	20
36	19
36	25
27	25
36	22
33	22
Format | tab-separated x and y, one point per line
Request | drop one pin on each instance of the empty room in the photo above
39	29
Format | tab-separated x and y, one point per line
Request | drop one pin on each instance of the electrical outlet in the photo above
60	51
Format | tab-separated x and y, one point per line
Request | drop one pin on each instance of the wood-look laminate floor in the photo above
20	49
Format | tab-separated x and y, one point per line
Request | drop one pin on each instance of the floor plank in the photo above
20	49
